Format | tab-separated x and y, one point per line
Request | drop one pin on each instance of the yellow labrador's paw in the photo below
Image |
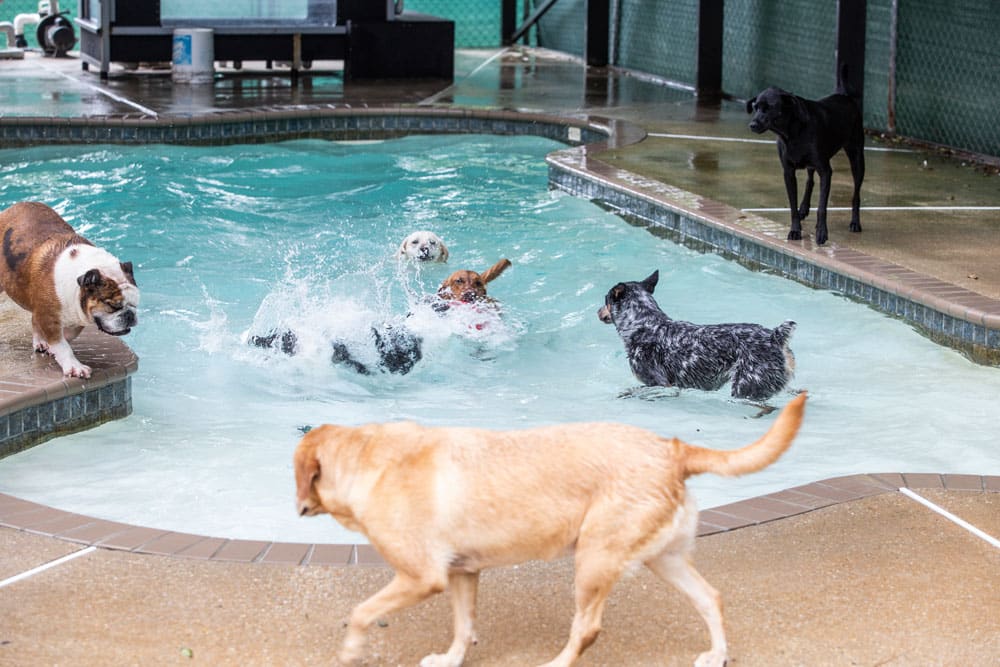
711	659
349	655
440	660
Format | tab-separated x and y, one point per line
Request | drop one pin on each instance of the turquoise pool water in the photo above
232	240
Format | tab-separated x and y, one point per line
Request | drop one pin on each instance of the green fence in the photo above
931	67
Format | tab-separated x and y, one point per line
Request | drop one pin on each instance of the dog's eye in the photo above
433	243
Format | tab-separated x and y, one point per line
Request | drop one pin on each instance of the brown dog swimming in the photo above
64	281
442	504
468	286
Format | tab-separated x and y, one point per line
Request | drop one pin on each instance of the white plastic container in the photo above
194	55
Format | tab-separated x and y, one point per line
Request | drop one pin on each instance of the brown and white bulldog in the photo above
64	281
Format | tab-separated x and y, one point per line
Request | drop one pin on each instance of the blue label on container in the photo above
182	50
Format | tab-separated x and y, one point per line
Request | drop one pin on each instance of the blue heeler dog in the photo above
670	353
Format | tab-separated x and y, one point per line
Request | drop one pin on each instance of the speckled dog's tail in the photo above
759	455
783	332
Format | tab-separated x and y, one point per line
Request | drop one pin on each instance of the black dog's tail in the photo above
843	87
783	332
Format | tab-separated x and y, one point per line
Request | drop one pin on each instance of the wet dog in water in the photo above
442	504
398	348
671	353
423	246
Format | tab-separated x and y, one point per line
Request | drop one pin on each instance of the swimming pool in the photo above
227	240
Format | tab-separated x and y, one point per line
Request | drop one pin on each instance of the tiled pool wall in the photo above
29	426
269	125
40	403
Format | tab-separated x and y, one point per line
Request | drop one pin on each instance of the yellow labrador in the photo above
441	504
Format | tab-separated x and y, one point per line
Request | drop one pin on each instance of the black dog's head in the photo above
774	109
621	296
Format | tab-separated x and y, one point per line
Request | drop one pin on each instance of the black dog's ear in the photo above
649	284
750	103
91	278
797	106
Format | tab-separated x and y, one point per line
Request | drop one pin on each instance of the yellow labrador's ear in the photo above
306	467
444	252
494	271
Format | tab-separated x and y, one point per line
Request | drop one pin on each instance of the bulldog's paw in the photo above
77	371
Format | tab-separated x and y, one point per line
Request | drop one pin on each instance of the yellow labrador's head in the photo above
469	286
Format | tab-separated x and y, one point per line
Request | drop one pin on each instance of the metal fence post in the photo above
851	22
708	83
598	22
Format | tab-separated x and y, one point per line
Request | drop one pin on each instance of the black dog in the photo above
398	348
810	132
670	353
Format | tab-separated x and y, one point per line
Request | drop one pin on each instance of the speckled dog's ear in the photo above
649	284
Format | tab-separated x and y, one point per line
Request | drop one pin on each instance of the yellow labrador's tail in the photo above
759	455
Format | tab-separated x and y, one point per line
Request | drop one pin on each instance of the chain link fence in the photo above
932	72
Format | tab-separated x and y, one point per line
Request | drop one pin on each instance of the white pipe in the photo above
23	19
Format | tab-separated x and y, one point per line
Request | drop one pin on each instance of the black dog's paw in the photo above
795	235
821	236
855	226
803	212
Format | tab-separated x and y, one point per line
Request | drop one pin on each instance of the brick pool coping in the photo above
36	519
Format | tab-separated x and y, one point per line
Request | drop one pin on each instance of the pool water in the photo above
231	241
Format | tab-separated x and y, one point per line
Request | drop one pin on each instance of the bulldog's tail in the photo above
759	455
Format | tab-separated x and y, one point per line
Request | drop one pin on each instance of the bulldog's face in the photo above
110	301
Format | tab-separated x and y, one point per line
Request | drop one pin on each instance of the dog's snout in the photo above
129	318
756	126
604	314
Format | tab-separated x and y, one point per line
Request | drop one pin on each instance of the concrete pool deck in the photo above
852	573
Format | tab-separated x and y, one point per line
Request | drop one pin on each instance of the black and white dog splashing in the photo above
398	348
671	353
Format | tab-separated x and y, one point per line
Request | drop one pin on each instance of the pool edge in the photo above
45	521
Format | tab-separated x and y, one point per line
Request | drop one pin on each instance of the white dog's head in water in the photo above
423	246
